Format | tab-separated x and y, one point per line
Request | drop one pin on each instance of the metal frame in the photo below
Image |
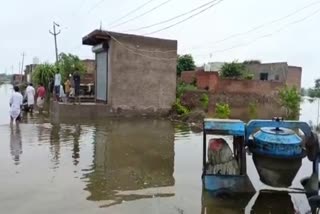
236	128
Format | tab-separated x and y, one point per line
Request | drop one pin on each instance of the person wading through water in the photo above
16	102
41	93
30	95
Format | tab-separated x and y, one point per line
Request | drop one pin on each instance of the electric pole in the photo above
55	34
23	55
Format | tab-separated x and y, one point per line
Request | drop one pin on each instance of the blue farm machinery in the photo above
277	148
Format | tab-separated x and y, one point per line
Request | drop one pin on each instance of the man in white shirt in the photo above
57	83
30	94
16	102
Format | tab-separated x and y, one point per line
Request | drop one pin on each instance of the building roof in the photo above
99	36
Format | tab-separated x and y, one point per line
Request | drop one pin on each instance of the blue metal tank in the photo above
280	142
277	154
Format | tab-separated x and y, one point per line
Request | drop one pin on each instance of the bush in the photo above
232	70
253	113
43	73
179	108
182	87
290	99
204	101
222	111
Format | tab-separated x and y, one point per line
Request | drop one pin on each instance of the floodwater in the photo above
118	166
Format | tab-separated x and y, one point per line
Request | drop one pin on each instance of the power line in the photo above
130	12
184	20
143	14
95	6
266	23
134	51
269	34
173	18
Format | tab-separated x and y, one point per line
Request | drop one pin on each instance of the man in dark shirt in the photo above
76	80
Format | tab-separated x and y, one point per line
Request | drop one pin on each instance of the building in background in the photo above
278	72
28	72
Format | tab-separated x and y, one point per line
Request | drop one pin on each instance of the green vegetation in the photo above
222	111
290	99
179	108
183	87
251	62
43	73
67	64
235	70
253	112
205	101
185	63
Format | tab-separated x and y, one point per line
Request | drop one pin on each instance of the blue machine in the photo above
277	151
231	183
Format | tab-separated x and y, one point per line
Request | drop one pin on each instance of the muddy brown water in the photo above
118	166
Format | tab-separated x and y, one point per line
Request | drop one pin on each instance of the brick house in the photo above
134	73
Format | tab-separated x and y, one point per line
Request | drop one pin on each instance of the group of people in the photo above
71	86
17	100
31	96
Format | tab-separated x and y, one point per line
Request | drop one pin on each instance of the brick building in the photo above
134	72
267	76
277	72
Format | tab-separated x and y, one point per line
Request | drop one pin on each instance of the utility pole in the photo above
23	55
55	34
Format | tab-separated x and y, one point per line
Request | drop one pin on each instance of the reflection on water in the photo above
118	166
232	205
273	203
15	143
131	155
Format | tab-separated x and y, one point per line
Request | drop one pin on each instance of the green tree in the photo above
252	62
290	99
69	63
44	73
185	63
317	83
235	70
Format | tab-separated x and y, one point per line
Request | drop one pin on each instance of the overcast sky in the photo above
295	39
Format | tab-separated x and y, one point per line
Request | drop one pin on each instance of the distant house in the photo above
28	72
279	72
134	72
268	77
17	79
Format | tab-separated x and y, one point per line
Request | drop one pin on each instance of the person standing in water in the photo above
57	83
30	95
16	102
76	80
67	86
41	93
